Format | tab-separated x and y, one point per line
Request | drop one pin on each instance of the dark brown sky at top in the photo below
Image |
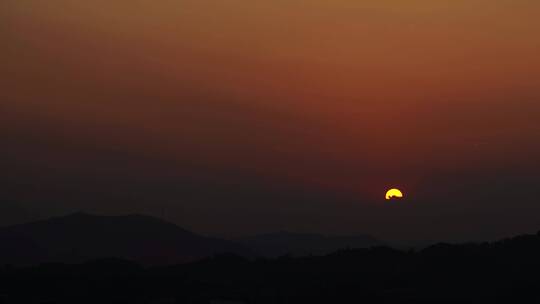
236	117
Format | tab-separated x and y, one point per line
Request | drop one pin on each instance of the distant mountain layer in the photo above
150	241
11	213
81	237
302	244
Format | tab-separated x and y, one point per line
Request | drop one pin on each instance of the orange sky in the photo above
348	95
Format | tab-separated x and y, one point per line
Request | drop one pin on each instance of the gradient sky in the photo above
237	117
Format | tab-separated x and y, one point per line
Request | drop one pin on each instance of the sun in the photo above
393	194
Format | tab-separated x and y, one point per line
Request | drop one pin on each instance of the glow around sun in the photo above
393	194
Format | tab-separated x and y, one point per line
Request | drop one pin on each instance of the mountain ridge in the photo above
301	244
82	236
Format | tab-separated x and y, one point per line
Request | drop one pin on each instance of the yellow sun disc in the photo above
393	193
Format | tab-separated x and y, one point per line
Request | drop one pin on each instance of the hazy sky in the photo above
235	117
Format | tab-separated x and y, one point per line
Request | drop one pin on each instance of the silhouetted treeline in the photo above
507	271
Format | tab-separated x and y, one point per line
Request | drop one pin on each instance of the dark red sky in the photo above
237	117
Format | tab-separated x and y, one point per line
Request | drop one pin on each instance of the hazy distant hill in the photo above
81	237
302	244
11	213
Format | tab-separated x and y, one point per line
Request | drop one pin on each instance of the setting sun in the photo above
393	194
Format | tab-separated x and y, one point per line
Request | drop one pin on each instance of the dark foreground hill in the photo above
501	272
81	237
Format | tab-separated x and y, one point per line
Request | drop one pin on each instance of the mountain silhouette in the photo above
304	244
80	237
504	271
